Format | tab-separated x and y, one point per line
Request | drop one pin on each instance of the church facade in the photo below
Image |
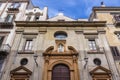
36	47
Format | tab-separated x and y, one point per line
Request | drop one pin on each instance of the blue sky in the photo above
72	8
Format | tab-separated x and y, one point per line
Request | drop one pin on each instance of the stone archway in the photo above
68	58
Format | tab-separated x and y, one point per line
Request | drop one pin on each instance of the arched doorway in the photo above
60	72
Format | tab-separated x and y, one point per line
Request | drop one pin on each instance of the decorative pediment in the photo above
53	52
100	70
72	50
21	70
49	50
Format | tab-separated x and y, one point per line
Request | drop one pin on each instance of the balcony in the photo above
5	49
13	9
99	50
5	25
116	20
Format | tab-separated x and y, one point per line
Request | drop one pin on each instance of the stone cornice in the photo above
106	8
60	24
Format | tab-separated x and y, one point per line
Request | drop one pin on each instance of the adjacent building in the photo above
36	47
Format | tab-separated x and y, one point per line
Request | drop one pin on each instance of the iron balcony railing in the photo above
5	48
13	9
5	24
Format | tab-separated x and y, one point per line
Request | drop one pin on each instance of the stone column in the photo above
39	49
82	47
109	57
46	68
12	56
75	67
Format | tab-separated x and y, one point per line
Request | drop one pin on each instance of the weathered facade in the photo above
58	48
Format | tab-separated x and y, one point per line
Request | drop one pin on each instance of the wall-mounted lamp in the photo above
35	58
86	61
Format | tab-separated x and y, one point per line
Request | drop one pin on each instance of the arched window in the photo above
60	35
60	48
60	72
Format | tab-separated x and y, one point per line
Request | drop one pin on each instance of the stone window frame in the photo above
27	36
92	37
58	33
28	45
58	42
99	62
24	61
92	44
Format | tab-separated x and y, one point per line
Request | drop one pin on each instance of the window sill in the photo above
95	52
26	52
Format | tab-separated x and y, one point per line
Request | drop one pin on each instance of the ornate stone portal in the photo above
55	58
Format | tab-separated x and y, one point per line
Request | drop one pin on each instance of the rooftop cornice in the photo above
60	24
106	8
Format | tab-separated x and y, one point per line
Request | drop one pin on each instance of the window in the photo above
117	17
1	40
2	57
15	5
97	61
61	35
28	45
115	51
92	44
28	18
36	17
9	18
118	35
61	72
24	61
60	48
